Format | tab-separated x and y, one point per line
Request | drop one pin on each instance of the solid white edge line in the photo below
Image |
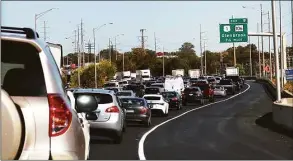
142	139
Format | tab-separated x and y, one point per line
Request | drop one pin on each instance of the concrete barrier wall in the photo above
272	89
283	111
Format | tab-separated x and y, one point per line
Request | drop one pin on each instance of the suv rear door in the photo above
27	88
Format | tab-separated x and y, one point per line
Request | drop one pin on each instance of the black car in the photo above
149	83
174	99
152	90
137	110
229	85
237	81
138	89
192	95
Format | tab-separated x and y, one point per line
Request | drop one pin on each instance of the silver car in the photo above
110	120
31	81
126	93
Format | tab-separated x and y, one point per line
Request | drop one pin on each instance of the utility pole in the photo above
155	43
292	20
110	58
234	53
205	59
276	52
250	59
45	31
78	56
115	48
261	30
89	46
201	55
259	63
82	46
143	39
163	62
281	45
270	53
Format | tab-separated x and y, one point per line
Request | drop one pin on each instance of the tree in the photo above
105	71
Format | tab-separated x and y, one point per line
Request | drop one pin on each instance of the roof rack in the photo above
30	33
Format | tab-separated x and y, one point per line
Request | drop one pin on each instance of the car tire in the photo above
202	101
148	123
184	103
124	127
118	138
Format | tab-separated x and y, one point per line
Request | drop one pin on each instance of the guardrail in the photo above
272	88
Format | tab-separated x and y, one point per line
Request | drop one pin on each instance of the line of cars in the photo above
42	121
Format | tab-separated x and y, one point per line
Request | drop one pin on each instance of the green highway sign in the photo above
238	20
230	33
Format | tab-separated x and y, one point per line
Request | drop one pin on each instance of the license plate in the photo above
190	94
130	111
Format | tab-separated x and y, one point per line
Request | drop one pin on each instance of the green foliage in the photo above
105	71
186	59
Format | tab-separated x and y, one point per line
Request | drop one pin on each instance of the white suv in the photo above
45	125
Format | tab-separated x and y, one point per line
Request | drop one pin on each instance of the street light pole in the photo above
276	52
163	62
281	45
261	30
259	63
250	60
40	15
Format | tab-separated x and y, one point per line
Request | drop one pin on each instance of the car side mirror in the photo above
86	103
91	116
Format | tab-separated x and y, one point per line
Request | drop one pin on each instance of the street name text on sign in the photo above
289	74
238	21
235	31
230	33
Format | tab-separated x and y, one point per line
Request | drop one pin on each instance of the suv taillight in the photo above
113	109
143	110
60	116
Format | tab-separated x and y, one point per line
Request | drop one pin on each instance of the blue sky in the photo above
174	22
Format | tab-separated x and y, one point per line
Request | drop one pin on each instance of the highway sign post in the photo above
289	74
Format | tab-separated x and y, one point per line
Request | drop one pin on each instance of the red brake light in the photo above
113	109
60	115
174	99
143	110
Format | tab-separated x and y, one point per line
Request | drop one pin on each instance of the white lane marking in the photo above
143	138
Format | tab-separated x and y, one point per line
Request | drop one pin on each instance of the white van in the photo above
174	84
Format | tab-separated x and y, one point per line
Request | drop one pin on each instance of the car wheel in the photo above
124	126
202	101
184	103
118	138
148	123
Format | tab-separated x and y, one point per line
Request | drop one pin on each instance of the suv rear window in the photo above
123	94
21	69
152	90
187	90
157	85
152	98
101	98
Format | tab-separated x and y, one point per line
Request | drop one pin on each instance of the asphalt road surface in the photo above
226	130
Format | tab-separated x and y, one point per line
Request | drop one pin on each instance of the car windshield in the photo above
145	76
225	82
132	102
123	94
169	94
152	98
